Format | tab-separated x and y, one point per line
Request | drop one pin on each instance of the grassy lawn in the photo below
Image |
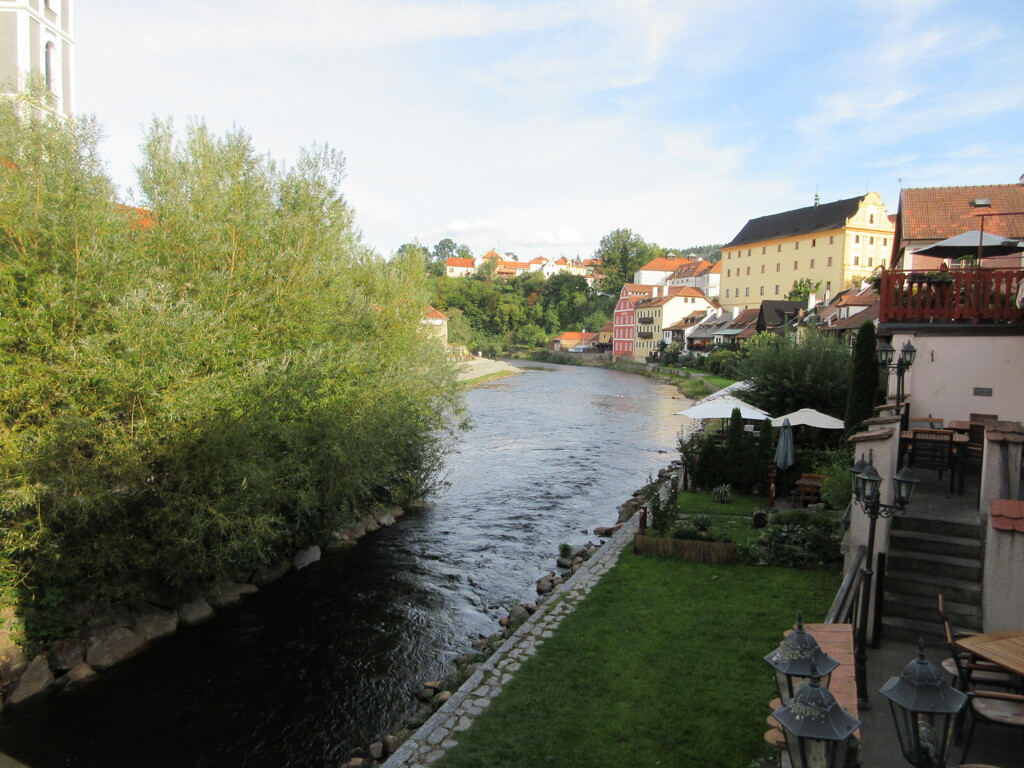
732	518
717	381
660	665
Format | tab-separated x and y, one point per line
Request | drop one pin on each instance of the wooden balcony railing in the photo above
951	296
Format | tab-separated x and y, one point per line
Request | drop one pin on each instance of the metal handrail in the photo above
845	602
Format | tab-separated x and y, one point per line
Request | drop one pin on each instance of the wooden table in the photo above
1003	648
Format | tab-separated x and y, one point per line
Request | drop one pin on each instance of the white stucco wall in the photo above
947	369
1003	600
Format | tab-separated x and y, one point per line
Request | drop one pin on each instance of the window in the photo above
748	251
762	290
871	261
762	269
885	241
728	273
871	219
778	248
795	265
814	242
776	290
831	239
764	250
856	238
746	291
830	261
778	266
727	293
796	246
812	263
828	285
748	270
49	66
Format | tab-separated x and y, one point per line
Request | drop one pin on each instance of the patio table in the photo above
1003	648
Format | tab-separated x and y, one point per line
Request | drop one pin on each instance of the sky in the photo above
539	127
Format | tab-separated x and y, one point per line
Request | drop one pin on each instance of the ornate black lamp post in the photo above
818	731
798	660
924	707
885	353
867	486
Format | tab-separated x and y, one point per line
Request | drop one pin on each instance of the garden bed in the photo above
685	549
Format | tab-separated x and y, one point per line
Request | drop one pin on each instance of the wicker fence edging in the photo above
685	549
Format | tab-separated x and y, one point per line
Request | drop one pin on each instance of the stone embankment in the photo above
112	633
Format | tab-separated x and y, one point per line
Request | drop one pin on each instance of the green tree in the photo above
416	251
203	387
802	289
445	249
787	373
622	253
864	391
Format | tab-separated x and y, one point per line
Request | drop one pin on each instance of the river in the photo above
324	659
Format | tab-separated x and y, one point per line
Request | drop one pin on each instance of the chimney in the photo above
735	312
812	301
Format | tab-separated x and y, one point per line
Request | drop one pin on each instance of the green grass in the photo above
717	381
662	664
732	518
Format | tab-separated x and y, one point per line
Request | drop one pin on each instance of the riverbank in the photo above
480	369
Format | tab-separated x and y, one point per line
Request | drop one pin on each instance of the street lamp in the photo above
867	486
924	707
818	730
884	353
798	660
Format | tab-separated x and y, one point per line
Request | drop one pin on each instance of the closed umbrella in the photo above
972	244
722	408
810	418
784	456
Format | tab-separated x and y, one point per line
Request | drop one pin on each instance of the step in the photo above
923	562
909	630
925	584
931	522
960	615
936	543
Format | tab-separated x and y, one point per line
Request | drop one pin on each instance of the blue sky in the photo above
539	127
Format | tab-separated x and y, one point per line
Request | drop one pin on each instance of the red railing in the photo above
956	295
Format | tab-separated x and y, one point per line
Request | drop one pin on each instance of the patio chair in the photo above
993	709
933	449
967	671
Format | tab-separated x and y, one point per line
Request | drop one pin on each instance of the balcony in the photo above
645	320
951	296
645	335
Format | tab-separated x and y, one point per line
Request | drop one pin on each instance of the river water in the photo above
324	659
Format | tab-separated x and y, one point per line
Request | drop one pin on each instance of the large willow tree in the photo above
204	384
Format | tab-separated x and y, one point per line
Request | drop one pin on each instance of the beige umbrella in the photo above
810	418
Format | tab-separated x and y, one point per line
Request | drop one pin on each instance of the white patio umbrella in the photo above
811	418
734	389
722	408
968	245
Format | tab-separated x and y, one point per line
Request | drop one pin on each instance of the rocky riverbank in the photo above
109	634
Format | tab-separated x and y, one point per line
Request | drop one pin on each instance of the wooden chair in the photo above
807	489
974	451
967	671
933	449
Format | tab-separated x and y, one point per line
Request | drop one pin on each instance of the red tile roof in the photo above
435	314
664	264
492	254
1007	515
143	216
935	213
454	261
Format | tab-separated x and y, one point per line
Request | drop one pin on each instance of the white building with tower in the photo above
36	42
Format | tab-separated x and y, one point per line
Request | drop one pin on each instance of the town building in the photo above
666	307
36	42
456	267
624	318
699	274
927	215
657	271
436	323
836	244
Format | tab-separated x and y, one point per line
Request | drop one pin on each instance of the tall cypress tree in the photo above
863	392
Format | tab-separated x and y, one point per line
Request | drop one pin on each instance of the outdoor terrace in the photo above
951	296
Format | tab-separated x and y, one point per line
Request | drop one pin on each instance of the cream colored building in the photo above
666	307
837	244
36	42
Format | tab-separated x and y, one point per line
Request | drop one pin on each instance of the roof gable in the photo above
935	213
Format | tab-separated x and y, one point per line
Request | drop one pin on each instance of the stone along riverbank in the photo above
323	661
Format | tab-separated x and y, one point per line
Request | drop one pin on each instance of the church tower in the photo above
36	42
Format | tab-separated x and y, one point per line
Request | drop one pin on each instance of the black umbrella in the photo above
972	244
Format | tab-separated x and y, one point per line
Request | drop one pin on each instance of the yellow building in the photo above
837	244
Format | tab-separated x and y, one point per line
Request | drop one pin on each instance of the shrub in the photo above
722	494
565	550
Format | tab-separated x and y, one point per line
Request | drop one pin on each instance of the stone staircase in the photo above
932	553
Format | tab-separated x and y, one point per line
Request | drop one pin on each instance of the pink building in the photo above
624	318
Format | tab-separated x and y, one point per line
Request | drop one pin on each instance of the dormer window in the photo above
981	202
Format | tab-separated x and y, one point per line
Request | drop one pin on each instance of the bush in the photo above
722	494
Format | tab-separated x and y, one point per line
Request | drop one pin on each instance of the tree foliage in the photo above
622	253
789	372
802	289
205	387
864	390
